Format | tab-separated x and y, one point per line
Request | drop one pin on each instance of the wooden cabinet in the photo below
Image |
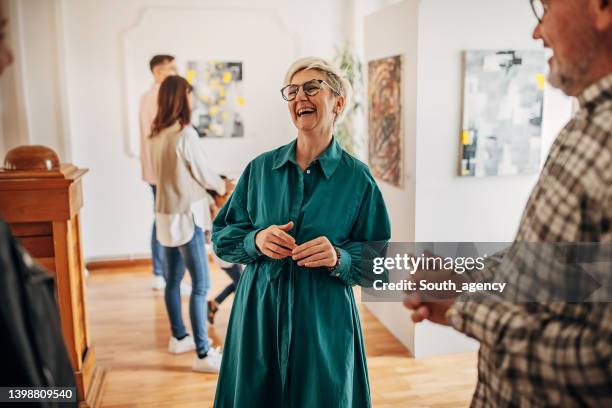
40	200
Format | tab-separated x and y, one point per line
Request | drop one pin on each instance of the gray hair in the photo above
335	77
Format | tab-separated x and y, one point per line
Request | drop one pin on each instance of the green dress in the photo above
294	337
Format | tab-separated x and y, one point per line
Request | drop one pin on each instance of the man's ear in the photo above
601	10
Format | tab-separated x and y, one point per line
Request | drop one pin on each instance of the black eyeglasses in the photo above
311	88
539	7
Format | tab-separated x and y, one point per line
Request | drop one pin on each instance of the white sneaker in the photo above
159	283
209	364
176	346
185	289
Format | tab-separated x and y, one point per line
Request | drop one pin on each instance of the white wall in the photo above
32	98
41	74
452	208
447	207
12	102
389	32
104	39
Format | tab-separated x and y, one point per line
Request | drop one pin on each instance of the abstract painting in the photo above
385	145
218	98
502	113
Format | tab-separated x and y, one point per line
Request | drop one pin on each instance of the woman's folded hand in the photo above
316	253
275	242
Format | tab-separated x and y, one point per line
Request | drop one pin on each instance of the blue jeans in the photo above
157	251
193	255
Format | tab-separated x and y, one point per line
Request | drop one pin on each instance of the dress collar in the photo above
328	160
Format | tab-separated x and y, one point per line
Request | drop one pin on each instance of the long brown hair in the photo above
172	104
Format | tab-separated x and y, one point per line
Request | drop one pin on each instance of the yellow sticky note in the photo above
240	100
225	116
221	91
213	110
222	102
190	75
465	137
227	77
541	80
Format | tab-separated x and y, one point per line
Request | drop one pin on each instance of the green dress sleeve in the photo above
368	239
233	233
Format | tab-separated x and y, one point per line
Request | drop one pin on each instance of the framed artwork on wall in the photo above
218	98
503	104
386	144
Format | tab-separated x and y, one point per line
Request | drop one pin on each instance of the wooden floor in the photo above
130	330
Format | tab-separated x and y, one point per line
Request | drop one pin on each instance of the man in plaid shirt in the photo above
554	353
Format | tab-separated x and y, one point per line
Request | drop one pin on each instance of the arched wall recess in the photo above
259	38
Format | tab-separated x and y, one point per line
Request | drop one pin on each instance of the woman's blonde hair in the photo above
334	75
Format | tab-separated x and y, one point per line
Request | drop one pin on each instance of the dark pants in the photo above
234	272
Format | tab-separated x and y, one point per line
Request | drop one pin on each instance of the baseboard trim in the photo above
118	264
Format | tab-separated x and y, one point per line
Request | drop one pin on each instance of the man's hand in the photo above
316	253
432	304
229	186
275	242
434	311
214	210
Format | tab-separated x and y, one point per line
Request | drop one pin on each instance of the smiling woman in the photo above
294	336
317	75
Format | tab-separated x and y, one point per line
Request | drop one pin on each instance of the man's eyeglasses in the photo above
311	88
539	7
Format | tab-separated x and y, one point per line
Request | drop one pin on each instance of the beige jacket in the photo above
183	175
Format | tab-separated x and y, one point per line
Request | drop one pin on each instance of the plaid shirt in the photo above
553	353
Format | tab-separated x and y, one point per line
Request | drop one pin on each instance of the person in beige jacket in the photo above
161	66
181	206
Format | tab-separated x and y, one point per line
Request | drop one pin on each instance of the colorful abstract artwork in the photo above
385	145
218	98
502	113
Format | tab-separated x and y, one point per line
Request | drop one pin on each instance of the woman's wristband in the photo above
337	265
